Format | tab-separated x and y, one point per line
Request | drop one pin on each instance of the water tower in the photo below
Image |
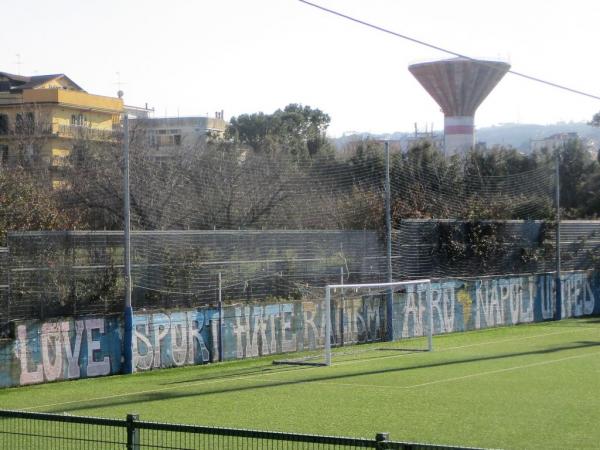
459	85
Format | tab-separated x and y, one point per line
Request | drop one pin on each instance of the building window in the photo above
78	153
19	124
25	123
4	155
3	124
177	139
78	120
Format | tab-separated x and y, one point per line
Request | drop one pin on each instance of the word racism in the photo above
89	347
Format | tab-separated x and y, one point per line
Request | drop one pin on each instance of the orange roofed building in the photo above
42	117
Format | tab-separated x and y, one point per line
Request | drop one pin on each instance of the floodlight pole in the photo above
389	307
558	282
128	312
220	318
341	308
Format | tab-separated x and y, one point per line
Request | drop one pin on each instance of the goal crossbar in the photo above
377	285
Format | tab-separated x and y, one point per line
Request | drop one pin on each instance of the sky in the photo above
195	57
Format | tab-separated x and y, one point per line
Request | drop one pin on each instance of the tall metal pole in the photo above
388	225
341	308
128	312
558	282
220	318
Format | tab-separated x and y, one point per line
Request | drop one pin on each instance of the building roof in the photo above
19	82
14	77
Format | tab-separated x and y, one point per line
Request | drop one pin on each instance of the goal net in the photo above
365	321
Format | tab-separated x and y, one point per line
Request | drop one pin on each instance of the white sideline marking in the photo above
507	369
464	377
254	377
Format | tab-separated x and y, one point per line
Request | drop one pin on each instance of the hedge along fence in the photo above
427	248
89	346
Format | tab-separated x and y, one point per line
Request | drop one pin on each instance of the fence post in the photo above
133	434
381	439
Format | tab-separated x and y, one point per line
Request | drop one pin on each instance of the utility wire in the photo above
441	49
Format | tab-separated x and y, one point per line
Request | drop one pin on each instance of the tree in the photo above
217	184
296	130
28	204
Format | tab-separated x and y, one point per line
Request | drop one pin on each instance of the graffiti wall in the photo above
470	304
39	352
198	337
61	350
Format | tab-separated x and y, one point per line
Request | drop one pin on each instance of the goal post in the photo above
357	314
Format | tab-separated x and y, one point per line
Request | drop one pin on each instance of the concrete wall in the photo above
478	303
61	350
39	352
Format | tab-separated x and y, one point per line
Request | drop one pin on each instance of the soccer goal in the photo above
366	320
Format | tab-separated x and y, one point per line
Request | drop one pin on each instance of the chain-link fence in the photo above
453	248
73	273
227	222
53	274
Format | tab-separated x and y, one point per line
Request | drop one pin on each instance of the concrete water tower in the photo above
459	85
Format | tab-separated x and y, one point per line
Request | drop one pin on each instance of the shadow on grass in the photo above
268	368
320	376
576	322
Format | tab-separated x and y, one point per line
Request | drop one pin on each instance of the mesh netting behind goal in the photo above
366	321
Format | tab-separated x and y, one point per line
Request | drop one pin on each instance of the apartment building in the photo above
43	117
169	135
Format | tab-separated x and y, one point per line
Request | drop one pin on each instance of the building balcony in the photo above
85	133
26	131
59	162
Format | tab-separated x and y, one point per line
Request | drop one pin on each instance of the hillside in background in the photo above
515	135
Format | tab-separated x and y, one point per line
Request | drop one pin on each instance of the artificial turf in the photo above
527	386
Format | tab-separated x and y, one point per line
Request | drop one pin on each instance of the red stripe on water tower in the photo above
459	129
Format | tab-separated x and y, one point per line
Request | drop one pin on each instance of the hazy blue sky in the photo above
193	57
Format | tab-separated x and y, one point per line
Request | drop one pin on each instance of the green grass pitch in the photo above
534	386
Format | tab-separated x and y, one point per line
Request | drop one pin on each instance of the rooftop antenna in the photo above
119	84
18	63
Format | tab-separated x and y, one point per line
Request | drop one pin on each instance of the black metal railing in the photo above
26	430
86	132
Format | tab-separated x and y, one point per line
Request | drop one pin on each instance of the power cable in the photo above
444	50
